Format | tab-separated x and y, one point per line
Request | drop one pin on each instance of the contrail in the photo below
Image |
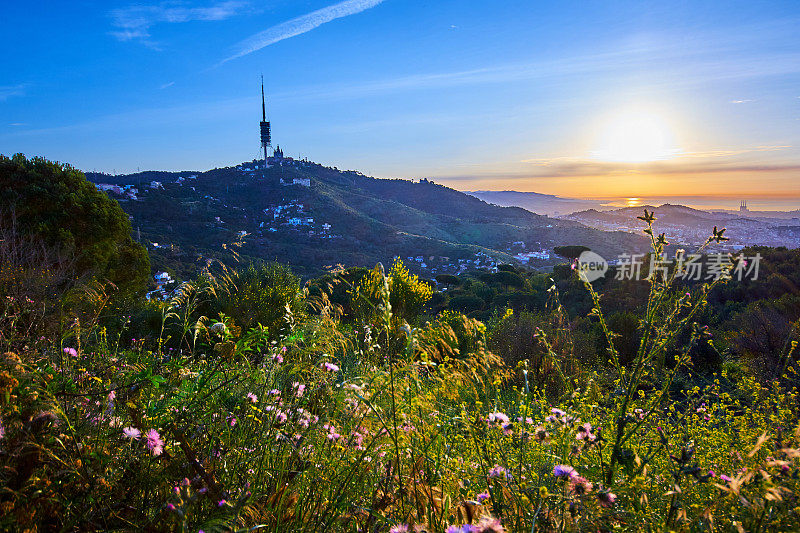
300	25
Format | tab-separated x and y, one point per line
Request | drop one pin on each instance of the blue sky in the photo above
479	95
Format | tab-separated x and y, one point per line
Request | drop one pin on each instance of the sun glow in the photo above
635	135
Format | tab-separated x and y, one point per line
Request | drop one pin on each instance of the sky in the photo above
582	99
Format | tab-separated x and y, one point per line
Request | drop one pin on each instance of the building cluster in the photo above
433	264
162	280
126	191
520	251
293	215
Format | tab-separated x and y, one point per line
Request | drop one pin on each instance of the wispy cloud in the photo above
134	22
7	91
745	101
167	85
300	25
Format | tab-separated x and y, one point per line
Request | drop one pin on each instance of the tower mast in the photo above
266	133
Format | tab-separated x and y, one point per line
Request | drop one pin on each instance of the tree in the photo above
55	202
570	252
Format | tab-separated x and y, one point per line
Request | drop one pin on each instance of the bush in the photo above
262	293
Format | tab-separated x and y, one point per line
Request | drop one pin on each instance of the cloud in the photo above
300	25
745	101
134	22
7	91
167	85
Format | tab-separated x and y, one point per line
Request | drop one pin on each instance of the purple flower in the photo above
483	496
329	367
2	429
278	358
154	442
72	352
170	507
131	432
725	478
221	503
499	471
400	528
564	472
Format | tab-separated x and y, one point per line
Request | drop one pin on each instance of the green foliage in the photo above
262	293
55	202
408	294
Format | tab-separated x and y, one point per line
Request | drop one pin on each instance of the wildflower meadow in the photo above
181	416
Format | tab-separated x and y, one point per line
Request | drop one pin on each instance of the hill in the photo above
546	204
312	216
689	226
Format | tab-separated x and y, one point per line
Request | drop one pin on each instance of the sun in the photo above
635	135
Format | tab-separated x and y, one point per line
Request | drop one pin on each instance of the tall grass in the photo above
318	424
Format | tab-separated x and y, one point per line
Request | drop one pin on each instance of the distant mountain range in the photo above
685	225
312	216
544	204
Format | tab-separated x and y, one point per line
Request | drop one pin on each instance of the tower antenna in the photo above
266	133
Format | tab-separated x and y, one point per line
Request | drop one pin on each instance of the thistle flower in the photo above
606	498
498	417
490	525
585	433
154	442
581	485
499	471
131	432
564	472
329	367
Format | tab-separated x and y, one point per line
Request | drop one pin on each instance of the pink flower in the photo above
329	367
131	432
252	397
278	358
581	485
72	352
299	388
399	528
606	498
154	442
498	418
490	525
222	503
